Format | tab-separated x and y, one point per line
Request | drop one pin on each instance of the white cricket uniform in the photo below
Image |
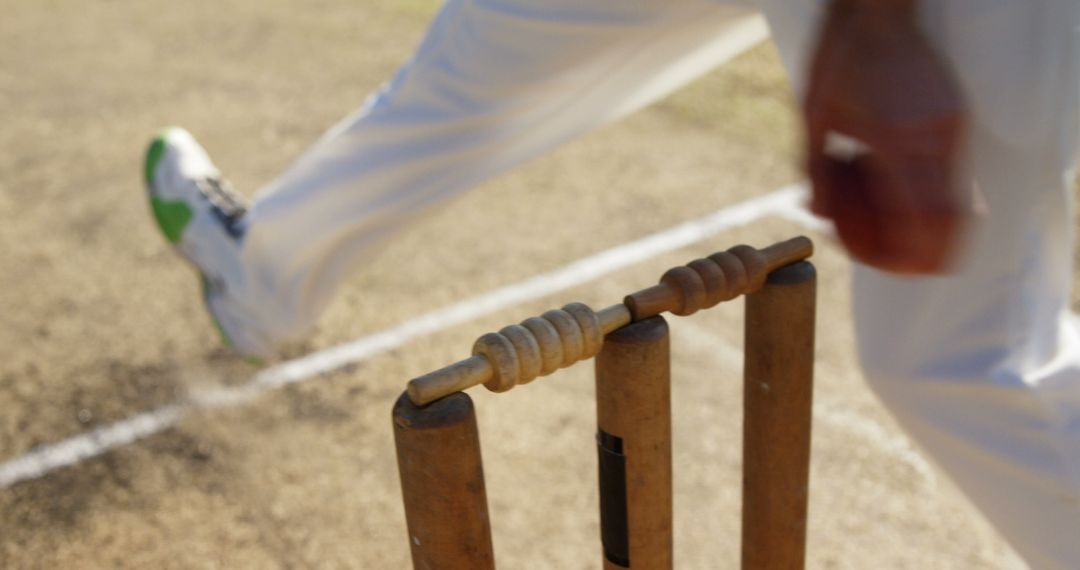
981	367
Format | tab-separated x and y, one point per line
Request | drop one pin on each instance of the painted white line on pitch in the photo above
73	450
881	439
84	446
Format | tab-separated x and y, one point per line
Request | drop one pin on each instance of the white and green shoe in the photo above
203	218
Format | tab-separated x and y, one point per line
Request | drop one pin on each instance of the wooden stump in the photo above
633	405
776	431
442	483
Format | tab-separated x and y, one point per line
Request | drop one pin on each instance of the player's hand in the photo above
875	77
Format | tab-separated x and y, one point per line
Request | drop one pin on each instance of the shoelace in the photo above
227	202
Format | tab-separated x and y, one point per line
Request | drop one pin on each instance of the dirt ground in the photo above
100	321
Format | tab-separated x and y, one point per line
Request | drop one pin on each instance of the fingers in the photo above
842	184
900	217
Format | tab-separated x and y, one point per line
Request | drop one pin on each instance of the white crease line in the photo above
47	458
880	438
90	444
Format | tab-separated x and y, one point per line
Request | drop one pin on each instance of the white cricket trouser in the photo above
981	367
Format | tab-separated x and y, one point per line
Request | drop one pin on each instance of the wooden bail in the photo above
519	353
633	409
778	379
442	483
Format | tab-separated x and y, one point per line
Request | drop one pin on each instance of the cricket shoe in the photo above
203	218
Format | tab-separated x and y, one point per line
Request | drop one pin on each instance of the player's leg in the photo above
982	367
494	83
